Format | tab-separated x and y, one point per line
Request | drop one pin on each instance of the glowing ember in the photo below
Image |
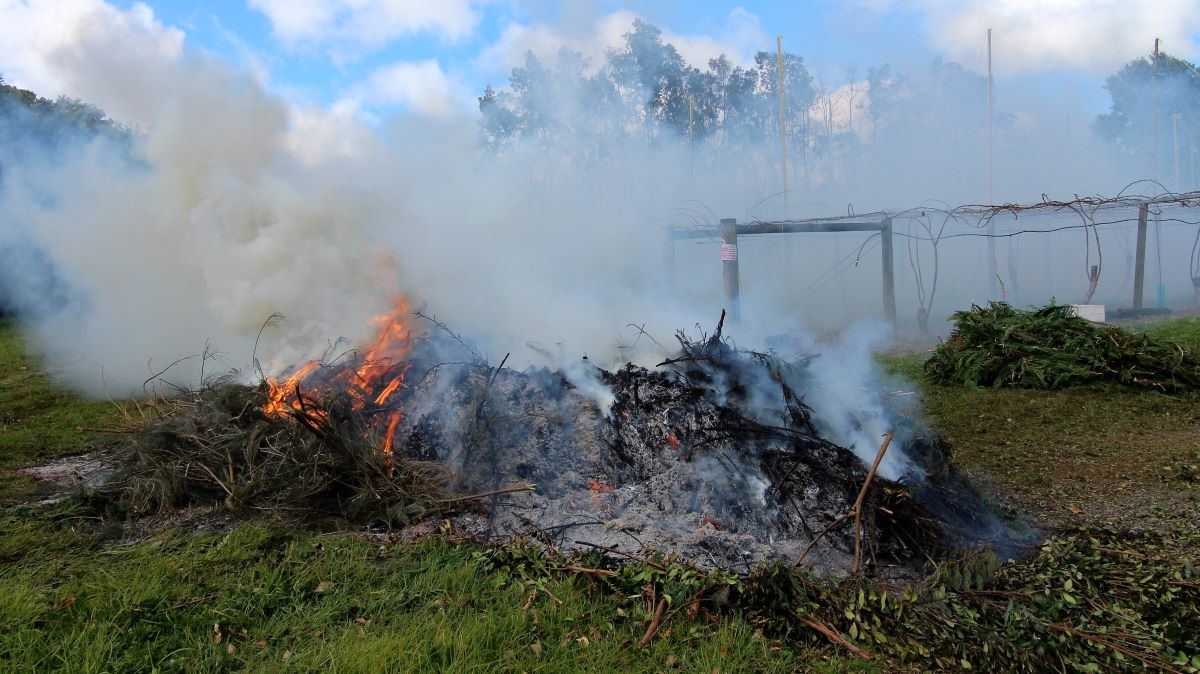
376	376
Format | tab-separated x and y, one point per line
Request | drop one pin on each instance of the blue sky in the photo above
388	56
829	36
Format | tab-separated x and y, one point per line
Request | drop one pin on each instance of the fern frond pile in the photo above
1050	348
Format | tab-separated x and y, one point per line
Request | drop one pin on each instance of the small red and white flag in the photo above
729	252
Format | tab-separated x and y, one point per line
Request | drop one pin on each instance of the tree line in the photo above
645	91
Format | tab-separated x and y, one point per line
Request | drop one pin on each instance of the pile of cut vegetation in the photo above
1050	348
217	446
714	455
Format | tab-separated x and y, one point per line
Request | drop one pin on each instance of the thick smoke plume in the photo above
224	206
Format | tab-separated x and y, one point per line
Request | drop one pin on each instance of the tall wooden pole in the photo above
889	272
989	121
1139	264
991	230
1162	289
782	124
729	267
1154	134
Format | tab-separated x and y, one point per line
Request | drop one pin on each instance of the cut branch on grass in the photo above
1157	663
590	572
836	637
655	622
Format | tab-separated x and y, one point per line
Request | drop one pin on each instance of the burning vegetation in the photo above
713	455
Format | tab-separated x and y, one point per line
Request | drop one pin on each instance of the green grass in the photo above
38	420
287	601
283	599
1099	454
1182	330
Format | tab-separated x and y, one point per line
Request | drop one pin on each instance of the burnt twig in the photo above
496	492
629	555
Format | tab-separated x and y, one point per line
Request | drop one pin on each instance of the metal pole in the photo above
729	265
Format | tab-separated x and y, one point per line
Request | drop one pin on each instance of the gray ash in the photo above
713	455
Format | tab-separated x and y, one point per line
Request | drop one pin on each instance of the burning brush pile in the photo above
713	455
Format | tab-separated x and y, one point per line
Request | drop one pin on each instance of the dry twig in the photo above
629	555
655	622
836	637
862	494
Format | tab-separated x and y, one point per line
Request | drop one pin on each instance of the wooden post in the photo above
729	264
889	272
1154	134
1139	266
993	277
782	125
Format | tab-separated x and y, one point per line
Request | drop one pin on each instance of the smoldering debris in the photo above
713	456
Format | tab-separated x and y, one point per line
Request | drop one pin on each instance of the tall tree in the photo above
1130	122
883	90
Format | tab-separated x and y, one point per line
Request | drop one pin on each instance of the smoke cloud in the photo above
226	205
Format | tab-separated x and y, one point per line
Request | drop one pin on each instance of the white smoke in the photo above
846	399
231	206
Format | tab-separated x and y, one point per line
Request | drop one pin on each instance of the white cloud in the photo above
739	38
1033	35
420	86
317	134
365	25
43	41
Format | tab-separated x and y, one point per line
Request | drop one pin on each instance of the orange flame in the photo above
376	379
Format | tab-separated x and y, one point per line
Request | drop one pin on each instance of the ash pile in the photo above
714	456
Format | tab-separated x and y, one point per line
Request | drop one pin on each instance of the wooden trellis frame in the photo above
730	230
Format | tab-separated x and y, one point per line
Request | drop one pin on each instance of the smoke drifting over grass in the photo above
226	205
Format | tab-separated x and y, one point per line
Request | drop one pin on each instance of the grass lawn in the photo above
1087	455
257	598
268	597
37	420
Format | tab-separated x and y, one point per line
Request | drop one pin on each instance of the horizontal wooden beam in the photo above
782	227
